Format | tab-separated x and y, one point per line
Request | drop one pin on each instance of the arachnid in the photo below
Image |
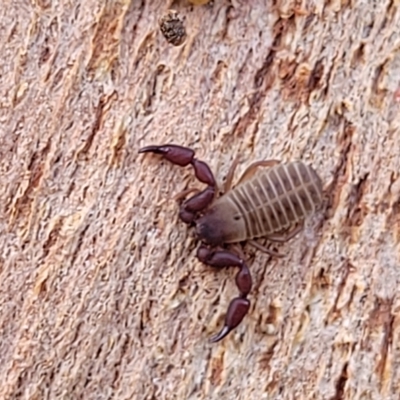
270	200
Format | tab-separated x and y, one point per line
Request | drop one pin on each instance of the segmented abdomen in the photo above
277	198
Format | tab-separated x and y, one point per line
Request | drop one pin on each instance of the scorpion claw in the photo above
176	154
219	336
152	149
237	310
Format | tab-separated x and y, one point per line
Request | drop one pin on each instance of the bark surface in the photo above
101	296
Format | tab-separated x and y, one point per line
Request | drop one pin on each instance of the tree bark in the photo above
101	295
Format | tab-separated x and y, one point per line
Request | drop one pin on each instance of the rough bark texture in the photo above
101	295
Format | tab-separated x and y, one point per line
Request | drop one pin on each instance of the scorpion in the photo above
271	200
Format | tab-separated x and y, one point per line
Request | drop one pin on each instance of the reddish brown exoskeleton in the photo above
270	200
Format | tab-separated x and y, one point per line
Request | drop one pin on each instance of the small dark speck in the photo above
173	28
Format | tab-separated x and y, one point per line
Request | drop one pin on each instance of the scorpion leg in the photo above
278	238
184	193
240	305
252	168
184	156
284	237
230	175
264	249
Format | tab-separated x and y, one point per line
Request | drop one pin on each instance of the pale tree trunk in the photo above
101	294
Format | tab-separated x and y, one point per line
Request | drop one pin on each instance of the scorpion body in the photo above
273	200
